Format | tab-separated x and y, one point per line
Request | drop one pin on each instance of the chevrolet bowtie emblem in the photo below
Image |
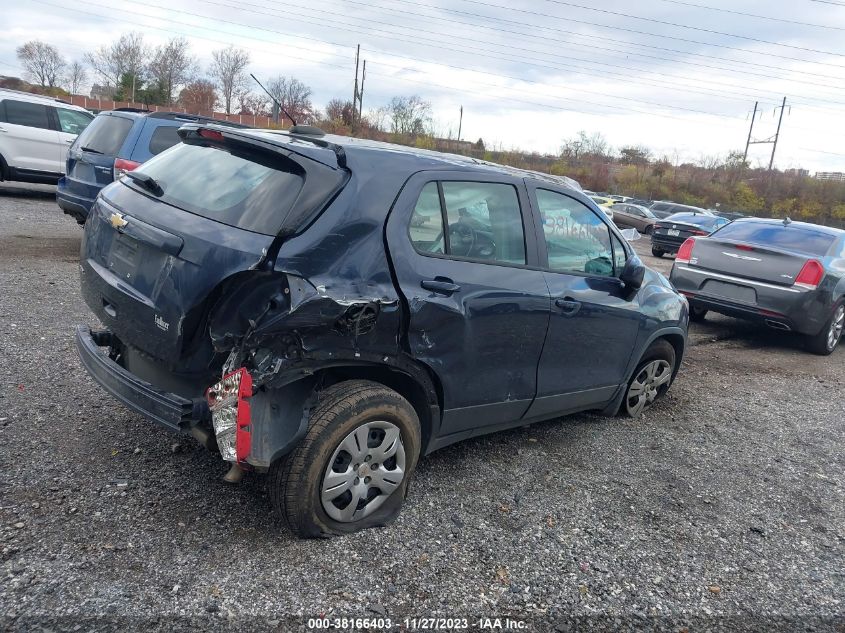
117	221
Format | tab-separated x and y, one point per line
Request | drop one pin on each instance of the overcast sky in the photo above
678	76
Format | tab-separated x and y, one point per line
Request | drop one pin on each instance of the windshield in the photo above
248	191
798	239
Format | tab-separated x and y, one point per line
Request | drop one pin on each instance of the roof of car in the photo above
362	146
178	117
807	226
36	98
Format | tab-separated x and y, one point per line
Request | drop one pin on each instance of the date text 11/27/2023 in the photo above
417	624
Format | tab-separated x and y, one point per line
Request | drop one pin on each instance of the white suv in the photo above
35	134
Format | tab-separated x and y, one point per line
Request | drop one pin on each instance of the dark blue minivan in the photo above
115	142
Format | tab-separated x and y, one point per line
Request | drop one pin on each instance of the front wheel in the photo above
651	379
696	313
826	341
352	468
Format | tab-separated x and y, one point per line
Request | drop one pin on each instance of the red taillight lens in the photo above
699	232
121	166
212	135
743	247
685	252
811	275
231	415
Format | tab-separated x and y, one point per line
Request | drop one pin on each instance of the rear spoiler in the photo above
217	133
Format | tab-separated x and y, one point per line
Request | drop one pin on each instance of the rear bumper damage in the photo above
168	409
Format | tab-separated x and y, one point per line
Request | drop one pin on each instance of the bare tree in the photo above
294	96
584	145
125	57
42	62
75	77
172	66
339	111
252	103
410	115
198	95
229	70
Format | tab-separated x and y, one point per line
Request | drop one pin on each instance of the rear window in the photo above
164	137
26	114
705	221
251	191
797	239
105	134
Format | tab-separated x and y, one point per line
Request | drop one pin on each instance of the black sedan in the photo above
670	233
786	275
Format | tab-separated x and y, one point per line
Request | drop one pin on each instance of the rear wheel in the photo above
657	252
649	229
352	468
697	313
826	341
651	379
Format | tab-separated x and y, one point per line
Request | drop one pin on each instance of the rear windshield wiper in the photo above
148	182
90	149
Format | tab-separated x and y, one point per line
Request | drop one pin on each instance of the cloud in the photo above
528	74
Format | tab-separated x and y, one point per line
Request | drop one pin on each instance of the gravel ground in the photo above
721	508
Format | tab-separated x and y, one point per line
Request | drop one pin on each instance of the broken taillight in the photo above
228	401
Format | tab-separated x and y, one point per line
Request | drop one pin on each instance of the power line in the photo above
755	15
650	34
693	28
567	32
557	41
391	35
451	88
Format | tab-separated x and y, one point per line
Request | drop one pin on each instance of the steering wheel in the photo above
462	238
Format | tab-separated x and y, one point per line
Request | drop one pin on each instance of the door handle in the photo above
440	285
568	306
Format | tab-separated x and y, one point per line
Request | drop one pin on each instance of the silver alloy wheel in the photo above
365	468
836	326
646	385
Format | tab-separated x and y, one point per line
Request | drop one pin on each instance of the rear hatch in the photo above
90	160
153	255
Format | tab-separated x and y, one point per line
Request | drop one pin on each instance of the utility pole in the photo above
777	134
460	123
355	88
750	129
361	93
772	140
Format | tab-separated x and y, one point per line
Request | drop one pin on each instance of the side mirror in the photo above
633	273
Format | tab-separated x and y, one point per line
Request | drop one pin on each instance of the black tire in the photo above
295	480
821	343
657	252
4	169
696	313
649	229
660	350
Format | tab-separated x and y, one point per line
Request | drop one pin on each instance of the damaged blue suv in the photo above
328	309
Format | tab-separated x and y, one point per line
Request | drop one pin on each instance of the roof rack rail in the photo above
193	118
129	110
35	94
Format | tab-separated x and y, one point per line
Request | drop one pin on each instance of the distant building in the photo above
102	92
835	176
803	173
453	145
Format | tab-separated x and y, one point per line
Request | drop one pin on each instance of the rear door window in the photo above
576	238
73	121
250	191
427	222
27	114
105	134
164	137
